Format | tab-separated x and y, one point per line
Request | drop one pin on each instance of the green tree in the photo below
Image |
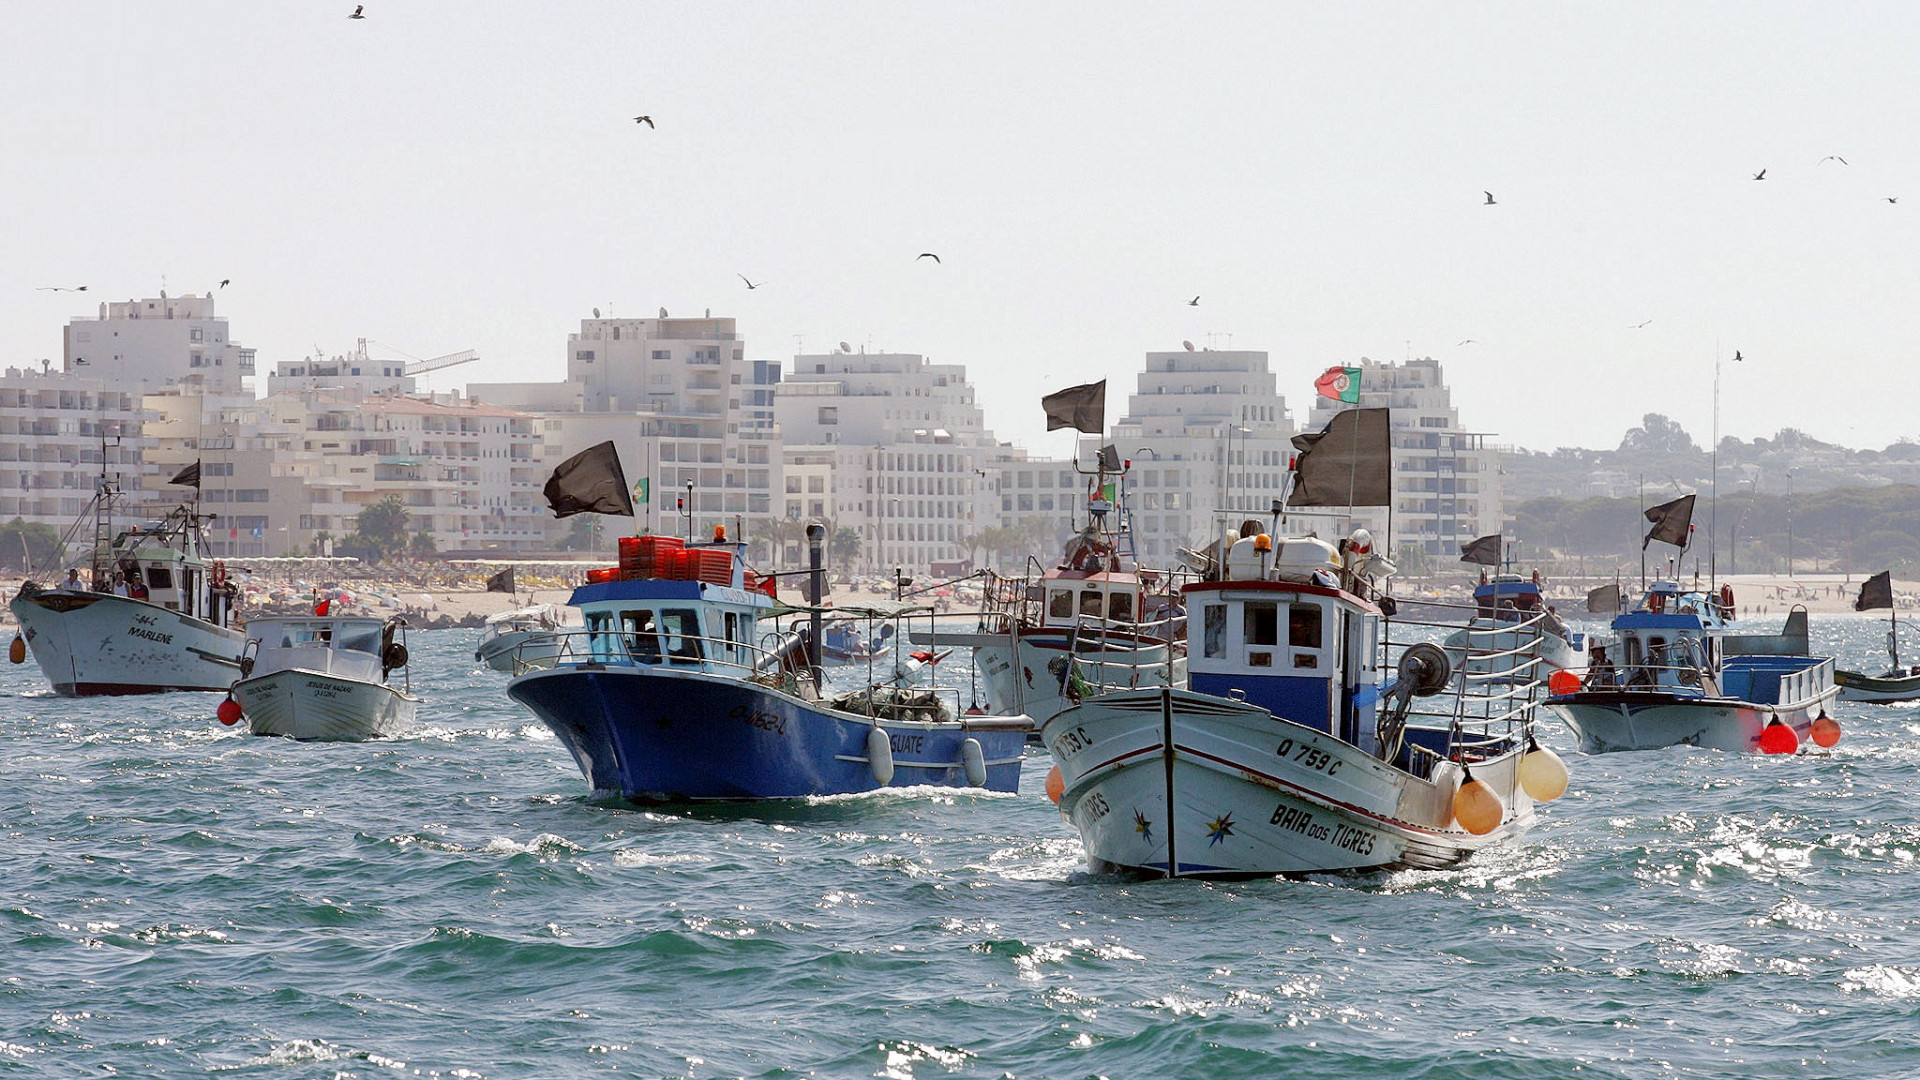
583	534
383	526
321	540
422	546
25	545
844	548
1413	560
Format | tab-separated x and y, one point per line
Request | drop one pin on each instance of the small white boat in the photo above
323	679
523	638
1513	632
1897	683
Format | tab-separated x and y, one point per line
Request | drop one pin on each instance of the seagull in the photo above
1737	358
1831	157
1469	341
1893	198
647	120
926	255
1761	175
1195	302
1489	196
224	282
79	360
750	284
1638	325
357	9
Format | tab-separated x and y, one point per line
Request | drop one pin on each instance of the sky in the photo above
450	175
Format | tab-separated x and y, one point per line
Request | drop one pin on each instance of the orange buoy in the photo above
1056	784
1778	738
1826	731
228	712
1477	807
17	652
1563	681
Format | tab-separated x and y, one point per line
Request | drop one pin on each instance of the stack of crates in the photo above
712	565
653	557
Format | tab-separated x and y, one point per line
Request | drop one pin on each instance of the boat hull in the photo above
1243	793
89	643
313	706
1024	674
651	735
525	648
1883	689
1611	720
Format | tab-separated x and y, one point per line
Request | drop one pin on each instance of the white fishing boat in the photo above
1513	631
1674	676
1896	683
323	678
1294	751
1094	623
152	615
513	641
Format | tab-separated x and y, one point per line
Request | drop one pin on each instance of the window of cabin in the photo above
1214	634
1303	634
1060	604
1090	602
1120	607
640	635
680	632
1260	624
363	639
159	577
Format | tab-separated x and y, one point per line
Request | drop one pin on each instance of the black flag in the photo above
1110	458
1671	522
1604	600
501	582
187	477
1485	551
1083	408
1876	591
1348	464
590	482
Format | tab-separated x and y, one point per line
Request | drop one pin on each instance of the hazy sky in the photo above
449	175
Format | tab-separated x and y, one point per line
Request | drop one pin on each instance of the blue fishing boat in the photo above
1674	676
681	687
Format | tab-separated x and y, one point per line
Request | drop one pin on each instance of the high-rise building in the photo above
54	429
145	345
1208	436
1446	479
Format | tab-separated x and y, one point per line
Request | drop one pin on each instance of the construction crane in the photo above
421	367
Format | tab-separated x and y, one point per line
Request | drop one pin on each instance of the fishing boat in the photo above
153	615
1092	623
680	687
1676	676
1896	683
1510	612
842	642
522	637
1299	747
323	678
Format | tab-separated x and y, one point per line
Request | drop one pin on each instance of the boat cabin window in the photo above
1214	619
1060	604
1120	607
159	577
1090	602
680	632
1303	633
365	639
1261	625
638	631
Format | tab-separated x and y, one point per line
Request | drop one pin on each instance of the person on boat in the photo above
73	578
136	588
120	584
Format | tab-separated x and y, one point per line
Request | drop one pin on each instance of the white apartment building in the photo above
54	427
682	405
893	447
145	345
1446	479
1208	435
355	369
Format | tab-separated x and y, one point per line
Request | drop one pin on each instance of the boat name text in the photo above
150	635
761	719
1093	807
903	743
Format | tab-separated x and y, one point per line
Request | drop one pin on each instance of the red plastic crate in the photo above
712	565
605	573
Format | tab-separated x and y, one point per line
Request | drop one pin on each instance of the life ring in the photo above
1726	601
219	575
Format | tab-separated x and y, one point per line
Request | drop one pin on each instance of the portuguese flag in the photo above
1340	384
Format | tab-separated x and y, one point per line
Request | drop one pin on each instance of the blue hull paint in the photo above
652	735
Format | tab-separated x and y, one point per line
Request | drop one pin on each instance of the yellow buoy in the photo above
17	652
1477	807
1543	776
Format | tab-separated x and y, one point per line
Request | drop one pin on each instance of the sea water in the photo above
178	899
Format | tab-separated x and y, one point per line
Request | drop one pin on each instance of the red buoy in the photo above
1563	681
1778	738
228	712
1826	731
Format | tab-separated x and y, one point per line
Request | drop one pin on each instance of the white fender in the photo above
879	756
974	760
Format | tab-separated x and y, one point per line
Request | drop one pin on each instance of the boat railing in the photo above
1494	694
1107	654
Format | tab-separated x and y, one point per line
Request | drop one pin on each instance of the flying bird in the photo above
79	360
1638	325
1893	198
59	288
663	313
1761	175
1195	302
1831	157
357	9
1489	196
750	284
647	120
1737	358
926	255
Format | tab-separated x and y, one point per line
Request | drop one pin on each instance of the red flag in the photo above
321	607
769	585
